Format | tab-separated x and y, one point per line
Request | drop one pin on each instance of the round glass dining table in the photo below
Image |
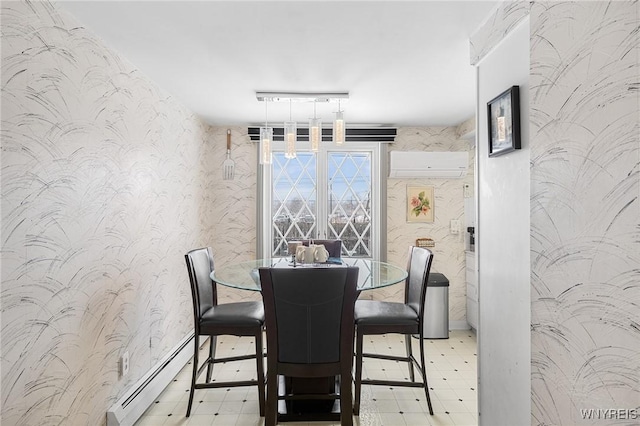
372	274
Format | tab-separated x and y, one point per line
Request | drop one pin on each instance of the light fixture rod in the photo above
301	96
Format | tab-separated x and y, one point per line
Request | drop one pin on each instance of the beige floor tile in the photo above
249	420
436	376
455	376
225	420
464	419
471	405
210	394
458	384
161	408
206	408
411	406
441	419
181	408
466	367
251	406
445	394
443	364
400	393
467	394
177	420
416	418
200	420
387	406
173	395
149	420
392	419
437	405
379	392
454	406
238	394
472	383
380	406
367	417
230	407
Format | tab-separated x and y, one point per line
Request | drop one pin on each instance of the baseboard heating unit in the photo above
142	394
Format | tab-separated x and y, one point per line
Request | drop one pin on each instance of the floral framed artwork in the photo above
503	113
420	204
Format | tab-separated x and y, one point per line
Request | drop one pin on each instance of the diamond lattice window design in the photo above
294	208
294	199
350	201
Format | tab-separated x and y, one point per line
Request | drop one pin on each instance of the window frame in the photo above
264	230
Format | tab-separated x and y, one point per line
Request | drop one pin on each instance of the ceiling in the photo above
403	63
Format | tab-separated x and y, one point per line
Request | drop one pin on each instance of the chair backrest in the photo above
203	289
418	269
309	313
334	247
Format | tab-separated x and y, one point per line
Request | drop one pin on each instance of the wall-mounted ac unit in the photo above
421	164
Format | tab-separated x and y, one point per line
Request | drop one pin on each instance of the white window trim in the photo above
378	191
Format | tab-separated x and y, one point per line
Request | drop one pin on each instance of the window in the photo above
331	194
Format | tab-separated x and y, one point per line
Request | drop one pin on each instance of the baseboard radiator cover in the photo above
128	409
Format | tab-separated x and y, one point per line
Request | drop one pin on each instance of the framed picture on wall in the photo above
420	204
503	113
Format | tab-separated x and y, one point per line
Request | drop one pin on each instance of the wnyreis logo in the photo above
610	413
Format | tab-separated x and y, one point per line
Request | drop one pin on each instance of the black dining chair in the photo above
334	247
213	319
309	323
379	317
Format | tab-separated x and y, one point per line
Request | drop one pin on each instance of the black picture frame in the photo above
503	115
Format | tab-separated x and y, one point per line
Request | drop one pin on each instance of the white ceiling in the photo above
403	63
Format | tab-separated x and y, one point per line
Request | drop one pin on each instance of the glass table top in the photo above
372	274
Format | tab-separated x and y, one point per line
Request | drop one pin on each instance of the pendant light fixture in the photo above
315	130
266	137
290	136
338	127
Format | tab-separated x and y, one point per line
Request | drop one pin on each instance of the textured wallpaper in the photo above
497	25
106	183
230	205
585	211
449	256
107	180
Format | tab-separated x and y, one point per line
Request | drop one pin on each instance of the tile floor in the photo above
451	372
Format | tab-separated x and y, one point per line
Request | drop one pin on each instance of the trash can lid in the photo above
437	280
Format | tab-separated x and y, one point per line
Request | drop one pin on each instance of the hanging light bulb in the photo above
290	130
290	136
315	130
266	137
338	127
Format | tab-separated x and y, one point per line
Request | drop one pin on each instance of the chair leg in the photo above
346	407
358	375
194	374
407	342
271	416
212	355
424	374
260	371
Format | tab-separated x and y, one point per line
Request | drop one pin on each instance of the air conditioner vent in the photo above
421	164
